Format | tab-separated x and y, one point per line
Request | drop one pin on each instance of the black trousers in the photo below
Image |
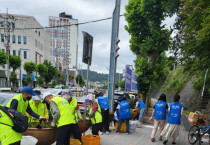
63	135
95	128
16	143
76	131
105	120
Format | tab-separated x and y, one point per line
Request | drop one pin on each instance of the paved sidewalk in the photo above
140	137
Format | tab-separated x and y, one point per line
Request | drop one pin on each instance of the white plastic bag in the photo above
132	126
29	140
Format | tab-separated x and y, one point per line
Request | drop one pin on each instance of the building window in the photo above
2	37
39	33
19	39
2	23
19	53
25	54
14	52
24	40
13	38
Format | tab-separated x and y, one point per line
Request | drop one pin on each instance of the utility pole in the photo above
9	27
113	54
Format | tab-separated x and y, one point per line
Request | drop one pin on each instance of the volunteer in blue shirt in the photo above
140	105
124	114
174	120
103	103
159	113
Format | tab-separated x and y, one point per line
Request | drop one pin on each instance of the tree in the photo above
29	67
15	62
3	57
71	77
122	85
149	38
50	75
42	71
80	80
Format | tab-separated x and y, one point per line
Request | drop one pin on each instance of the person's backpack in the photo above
19	120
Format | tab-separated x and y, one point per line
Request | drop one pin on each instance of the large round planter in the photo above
84	125
45	136
133	115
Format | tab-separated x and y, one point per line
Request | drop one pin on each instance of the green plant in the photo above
3	57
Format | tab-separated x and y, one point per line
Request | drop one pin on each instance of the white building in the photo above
30	44
64	42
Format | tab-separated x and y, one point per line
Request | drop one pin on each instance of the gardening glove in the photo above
53	124
43	118
79	114
33	118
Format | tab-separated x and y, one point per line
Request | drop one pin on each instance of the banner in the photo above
130	79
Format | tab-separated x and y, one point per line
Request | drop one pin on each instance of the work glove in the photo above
33	118
43	119
79	115
52	124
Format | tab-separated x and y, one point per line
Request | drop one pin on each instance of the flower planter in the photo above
45	136
84	125
133	115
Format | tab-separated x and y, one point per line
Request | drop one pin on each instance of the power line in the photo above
82	23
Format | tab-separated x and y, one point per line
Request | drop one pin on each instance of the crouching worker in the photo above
75	112
95	114
39	108
124	114
7	135
61	113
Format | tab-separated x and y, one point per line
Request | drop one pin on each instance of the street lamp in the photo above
21	65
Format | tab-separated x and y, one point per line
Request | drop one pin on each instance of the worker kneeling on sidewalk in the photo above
75	113
95	114
8	136
37	107
61	113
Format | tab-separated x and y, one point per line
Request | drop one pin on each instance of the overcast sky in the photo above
83	10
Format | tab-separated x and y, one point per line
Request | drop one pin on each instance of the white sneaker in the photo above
100	133
107	132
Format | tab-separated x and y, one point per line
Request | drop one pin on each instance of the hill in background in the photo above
100	77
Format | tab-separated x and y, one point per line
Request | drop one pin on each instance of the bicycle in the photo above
198	134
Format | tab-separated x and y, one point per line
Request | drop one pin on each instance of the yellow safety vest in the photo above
64	109
7	134
37	109
74	115
97	118
22	105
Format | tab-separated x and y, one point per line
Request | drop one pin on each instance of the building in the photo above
64	43
29	43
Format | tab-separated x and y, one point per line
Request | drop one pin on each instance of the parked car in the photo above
19	90
81	104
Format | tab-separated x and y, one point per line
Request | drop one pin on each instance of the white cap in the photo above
45	94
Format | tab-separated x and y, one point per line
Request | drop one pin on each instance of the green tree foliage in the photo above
3	57
122	85
40	81
71	77
148	36
29	67
13	79
80	80
42	70
193	24
50	75
15	62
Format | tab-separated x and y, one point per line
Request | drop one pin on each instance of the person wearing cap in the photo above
20	103
124	114
8	136
60	109
95	114
103	102
38	107
75	113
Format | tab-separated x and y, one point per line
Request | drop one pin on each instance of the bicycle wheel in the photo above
193	135
204	137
